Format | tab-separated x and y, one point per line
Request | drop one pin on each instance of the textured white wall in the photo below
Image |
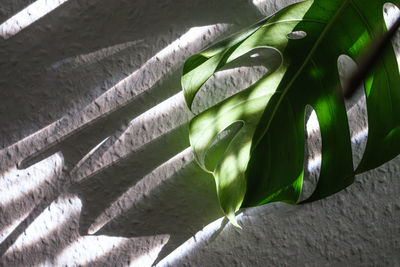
105	74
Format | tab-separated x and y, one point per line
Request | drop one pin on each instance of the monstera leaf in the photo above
263	162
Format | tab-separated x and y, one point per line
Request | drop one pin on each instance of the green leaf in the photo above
264	161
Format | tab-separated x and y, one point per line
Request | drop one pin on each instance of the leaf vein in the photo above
308	58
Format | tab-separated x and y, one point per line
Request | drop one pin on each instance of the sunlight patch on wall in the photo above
136	193
173	109
210	233
259	3
91	250
312	123
360	136
51	218
168	106
148	258
160	64
93	57
17	183
314	163
190	245
390	14
46	135
87	249
150	125
166	61
88	155
27	16
6	231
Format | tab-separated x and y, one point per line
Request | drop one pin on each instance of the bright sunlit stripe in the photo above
89	251
393	12
259	3
190	39
139	81
90	153
360	136
193	243
312	123
96	56
170	106
27	16
213	230
49	220
314	163
16	183
148	258
172	110
135	193
86	249
8	229
164	62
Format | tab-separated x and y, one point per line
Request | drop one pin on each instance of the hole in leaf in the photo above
312	153
297	35
356	109
390	14
220	144
235	77
346	67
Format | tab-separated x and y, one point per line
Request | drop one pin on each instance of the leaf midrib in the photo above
292	20
305	63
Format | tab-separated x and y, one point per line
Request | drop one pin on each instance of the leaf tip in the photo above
232	218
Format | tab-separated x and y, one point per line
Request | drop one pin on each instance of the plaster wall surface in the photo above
95	163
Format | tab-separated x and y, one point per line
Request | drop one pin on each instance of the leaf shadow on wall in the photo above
179	207
178	200
127	172
42	94
100	189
